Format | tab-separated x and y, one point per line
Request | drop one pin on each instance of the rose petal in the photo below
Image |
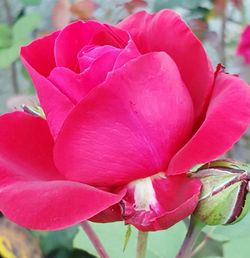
243	48
227	118
126	129
26	147
77	86
57	110
73	37
39	65
50	205
38	58
90	53
166	31
113	213
40	54
33	193
176	198
128	53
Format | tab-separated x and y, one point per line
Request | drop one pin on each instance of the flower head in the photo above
243	48
129	110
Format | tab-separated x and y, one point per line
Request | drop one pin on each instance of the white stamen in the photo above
144	194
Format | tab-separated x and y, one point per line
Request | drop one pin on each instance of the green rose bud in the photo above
225	193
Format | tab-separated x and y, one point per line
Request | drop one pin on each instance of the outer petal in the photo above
228	116
40	54
32	192
175	198
165	31
113	213
53	204
126	128
26	148
39	62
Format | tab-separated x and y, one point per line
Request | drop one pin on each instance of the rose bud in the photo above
243	48
224	198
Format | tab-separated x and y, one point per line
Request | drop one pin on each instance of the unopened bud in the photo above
225	193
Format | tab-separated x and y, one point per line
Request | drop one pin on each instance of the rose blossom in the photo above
129	110
243	48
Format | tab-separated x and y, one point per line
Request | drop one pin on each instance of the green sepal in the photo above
217	209
245	210
213	180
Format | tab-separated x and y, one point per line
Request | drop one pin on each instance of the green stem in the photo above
222	52
193	233
94	239
14	78
203	243
7	7
8	11
142	240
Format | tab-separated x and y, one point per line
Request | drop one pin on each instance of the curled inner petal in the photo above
159	202
90	53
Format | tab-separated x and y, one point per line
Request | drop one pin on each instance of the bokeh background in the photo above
217	23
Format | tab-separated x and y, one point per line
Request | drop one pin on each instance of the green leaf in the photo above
61	253
200	12
127	237
23	28
21	35
191	4
209	247
31	2
75	253
8	56
55	240
5	35
162	4
238	248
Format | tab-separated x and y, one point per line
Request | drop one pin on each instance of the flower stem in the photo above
193	233
142	240
222	51
7	7
94	239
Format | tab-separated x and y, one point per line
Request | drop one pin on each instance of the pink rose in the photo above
243	48
129	110
238	3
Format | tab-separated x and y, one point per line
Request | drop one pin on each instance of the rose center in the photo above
144	194
90	53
